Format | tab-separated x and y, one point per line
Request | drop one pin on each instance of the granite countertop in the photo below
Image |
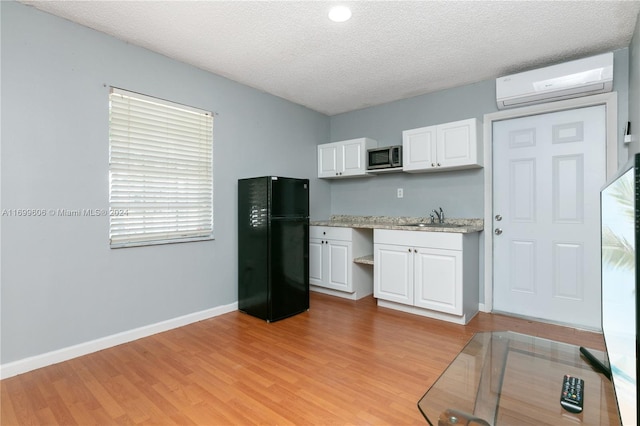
403	223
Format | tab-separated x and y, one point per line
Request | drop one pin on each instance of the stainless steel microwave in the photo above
384	158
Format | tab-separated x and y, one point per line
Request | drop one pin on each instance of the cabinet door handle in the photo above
415	250
409	250
433	164
438	164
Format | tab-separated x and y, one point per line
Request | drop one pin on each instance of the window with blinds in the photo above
160	171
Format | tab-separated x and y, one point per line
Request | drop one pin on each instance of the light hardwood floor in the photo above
342	362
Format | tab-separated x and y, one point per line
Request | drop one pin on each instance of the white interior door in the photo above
548	171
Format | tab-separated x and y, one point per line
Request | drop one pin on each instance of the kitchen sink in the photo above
434	225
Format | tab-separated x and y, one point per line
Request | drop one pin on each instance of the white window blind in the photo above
160	171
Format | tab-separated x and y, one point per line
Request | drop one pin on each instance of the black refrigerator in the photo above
273	247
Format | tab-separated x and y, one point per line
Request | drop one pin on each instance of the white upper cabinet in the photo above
448	146
458	145
344	158
418	148
328	160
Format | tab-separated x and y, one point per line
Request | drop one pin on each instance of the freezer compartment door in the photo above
289	197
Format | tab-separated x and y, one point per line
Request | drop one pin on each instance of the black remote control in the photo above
571	398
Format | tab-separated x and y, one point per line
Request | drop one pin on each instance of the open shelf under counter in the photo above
364	260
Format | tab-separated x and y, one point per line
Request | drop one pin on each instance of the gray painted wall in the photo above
61	284
634	90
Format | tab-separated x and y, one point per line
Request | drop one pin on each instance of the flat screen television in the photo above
620	226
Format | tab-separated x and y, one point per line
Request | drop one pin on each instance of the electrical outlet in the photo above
400	193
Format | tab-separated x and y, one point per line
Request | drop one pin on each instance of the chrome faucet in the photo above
440	215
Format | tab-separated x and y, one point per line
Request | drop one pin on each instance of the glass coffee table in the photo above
506	378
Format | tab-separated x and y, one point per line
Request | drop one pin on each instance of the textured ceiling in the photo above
389	50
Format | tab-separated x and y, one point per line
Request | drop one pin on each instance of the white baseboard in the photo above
32	363
331	292
456	319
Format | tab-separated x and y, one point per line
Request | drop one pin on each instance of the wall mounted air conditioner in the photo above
572	79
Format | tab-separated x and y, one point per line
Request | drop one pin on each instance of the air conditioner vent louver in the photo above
582	77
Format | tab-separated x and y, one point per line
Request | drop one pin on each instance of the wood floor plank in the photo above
7	412
107	402
60	411
342	362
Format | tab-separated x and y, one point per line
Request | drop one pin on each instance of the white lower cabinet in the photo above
329	263
331	266
433	274
444	293
393	272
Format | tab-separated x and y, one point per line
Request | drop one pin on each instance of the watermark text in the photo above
63	212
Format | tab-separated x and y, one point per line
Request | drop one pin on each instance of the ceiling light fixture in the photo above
339	13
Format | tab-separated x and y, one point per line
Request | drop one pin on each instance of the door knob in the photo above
498	217
498	231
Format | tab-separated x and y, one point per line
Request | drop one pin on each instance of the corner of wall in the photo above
634	90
